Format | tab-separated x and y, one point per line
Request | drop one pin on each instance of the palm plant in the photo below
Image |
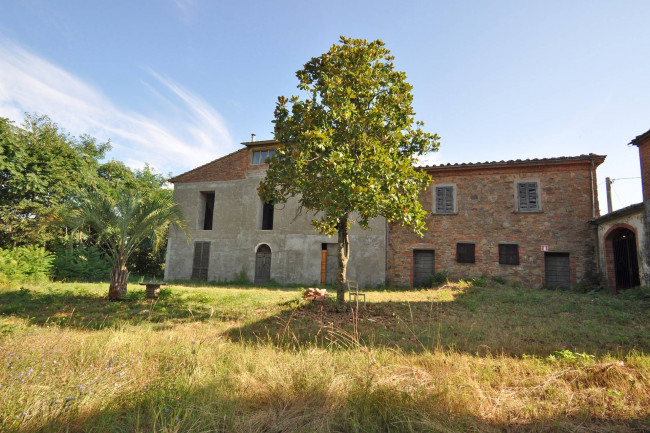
121	225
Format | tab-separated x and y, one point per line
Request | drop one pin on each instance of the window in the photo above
201	261
528	196
465	253
262	156
207	211
445	199
267	216
508	254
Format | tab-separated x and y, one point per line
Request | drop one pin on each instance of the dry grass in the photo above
257	360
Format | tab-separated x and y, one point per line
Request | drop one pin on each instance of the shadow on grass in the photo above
509	321
81	309
292	408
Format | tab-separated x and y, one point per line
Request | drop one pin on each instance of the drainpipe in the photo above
386	258
593	192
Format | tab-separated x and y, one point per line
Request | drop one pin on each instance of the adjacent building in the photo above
526	221
624	235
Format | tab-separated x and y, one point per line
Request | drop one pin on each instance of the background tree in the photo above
349	148
41	169
121	225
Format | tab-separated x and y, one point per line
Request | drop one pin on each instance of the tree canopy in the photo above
43	170
349	147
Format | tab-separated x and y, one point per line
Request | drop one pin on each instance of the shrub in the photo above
437	279
82	264
25	264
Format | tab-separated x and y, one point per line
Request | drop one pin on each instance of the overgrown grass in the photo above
457	358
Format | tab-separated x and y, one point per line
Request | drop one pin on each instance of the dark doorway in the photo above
423	267
557	270
263	264
626	266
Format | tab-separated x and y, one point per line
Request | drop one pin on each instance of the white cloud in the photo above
165	139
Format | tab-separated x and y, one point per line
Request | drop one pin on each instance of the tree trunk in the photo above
343	255
119	278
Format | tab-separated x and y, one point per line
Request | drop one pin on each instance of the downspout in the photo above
386	258
593	198
593	216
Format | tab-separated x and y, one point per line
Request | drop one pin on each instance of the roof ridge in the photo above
516	161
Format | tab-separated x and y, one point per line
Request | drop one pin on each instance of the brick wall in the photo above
487	216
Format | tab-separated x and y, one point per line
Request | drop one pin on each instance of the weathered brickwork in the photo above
486	215
643	142
229	167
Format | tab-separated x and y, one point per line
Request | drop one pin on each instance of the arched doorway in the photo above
263	264
623	258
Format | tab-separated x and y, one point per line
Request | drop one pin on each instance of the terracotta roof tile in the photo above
592	156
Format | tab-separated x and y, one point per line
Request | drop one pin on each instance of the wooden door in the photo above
423	267
557	270
263	265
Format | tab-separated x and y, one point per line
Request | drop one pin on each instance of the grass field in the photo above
239	359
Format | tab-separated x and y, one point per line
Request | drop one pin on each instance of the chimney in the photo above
252	138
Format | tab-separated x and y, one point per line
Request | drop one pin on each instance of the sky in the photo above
178	83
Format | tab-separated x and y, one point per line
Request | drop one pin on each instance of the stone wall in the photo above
296	249
486	215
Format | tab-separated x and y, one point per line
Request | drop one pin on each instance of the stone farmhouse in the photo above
531	221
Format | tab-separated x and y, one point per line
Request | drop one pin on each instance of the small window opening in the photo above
207	200
267	216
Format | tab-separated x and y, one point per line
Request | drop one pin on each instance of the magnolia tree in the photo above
349	147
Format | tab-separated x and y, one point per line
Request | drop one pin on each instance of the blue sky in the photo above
177	83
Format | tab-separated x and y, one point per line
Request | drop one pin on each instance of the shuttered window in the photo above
444	199
508	254
201	261
527	196
465	253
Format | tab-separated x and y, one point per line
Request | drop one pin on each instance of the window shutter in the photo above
445	199
508	254
527	196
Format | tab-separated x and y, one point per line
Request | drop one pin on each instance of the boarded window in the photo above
267	216
201	261
527	196
465	252
207	202
444	199
508	254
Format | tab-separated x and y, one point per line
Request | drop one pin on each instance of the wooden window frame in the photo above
259	154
